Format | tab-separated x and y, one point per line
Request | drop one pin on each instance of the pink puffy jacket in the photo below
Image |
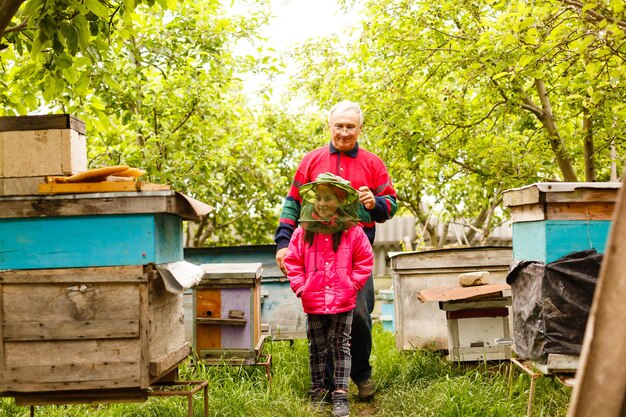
327	281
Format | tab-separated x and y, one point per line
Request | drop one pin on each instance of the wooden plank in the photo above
41	122
163	364
220	321
70	330
107	374
561	192
469	259
71	352
208	303
100	187
521	196
63	303
112	274
600	376
144	330
562	211
100	396
462	305
456	292
86	204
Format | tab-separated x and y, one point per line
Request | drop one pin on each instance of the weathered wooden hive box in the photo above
425	325
32	147
552	219
83	305
281	311
227	313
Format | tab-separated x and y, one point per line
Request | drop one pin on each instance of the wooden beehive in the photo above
227	312
32	147
551	220
424	325
87	329
86	316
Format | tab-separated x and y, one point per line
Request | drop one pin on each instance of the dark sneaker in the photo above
366	389
341	408
319	396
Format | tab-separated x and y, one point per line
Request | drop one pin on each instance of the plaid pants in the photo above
329	333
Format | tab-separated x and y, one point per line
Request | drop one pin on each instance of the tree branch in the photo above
8	8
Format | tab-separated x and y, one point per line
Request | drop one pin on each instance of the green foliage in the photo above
411	383
453	97
159	87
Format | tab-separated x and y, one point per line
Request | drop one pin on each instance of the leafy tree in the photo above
465	100
160	88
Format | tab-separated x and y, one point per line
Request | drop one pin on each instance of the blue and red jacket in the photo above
358	166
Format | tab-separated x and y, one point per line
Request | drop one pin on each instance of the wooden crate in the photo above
33	146
105	328
227	312
424	325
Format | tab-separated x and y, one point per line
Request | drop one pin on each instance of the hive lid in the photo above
180	276
169	202
546	192
232	273
41	122
456	292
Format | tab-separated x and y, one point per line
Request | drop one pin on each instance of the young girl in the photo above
328	261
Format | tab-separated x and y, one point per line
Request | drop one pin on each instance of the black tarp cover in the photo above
551	304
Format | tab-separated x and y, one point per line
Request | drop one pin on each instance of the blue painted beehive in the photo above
551	220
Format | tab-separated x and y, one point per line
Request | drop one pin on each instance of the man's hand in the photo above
280	259
366	197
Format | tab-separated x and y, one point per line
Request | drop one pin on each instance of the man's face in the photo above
344	129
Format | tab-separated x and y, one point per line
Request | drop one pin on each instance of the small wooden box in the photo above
227	313
106	328
33	146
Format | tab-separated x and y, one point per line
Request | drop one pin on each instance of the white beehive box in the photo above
32	147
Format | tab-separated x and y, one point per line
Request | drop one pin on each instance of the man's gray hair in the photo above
346	105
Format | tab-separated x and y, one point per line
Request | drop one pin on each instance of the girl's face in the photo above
326	202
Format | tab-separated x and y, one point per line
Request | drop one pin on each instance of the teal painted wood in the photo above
548	240
84	241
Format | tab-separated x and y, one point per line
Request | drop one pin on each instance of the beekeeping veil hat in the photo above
346	215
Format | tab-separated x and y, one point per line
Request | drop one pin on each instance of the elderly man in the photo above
368	174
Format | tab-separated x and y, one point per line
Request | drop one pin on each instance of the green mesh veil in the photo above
346	215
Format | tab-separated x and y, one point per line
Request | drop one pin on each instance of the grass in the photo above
414	383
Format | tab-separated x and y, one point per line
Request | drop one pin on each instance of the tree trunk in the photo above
556	143
590	160
8	8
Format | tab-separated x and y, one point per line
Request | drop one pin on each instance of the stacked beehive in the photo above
84	311
560	231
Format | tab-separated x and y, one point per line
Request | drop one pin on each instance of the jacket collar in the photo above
352	153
